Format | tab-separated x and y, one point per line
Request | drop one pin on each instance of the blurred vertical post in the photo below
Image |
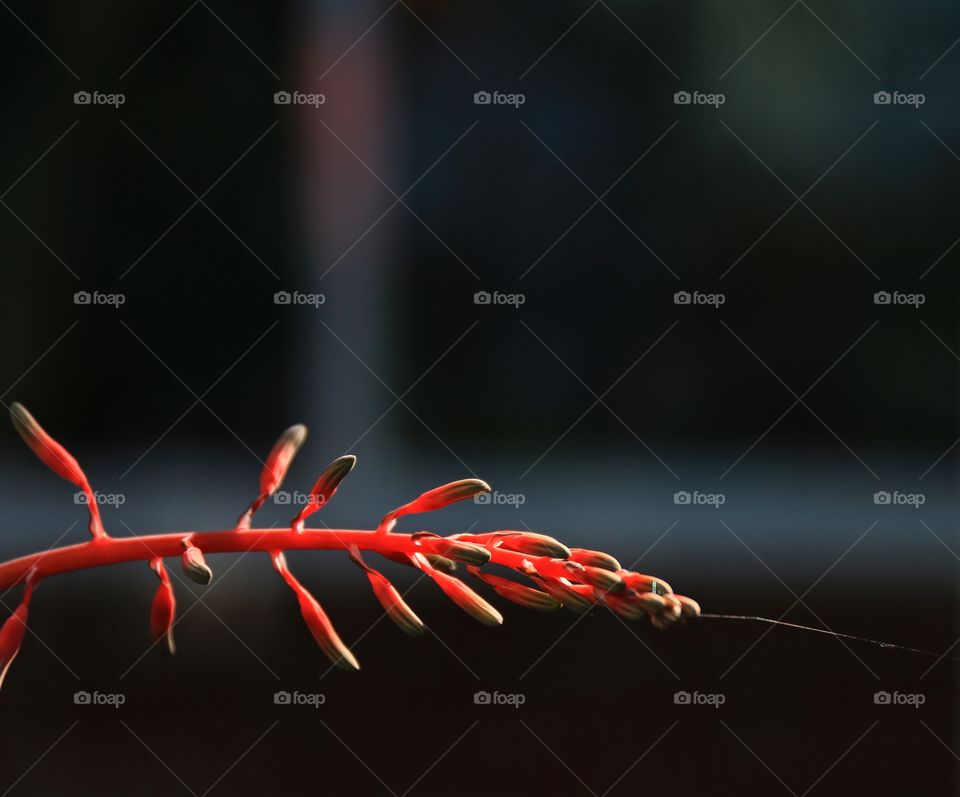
344	52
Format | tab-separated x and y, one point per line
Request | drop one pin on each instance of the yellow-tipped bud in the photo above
535	545
594	559
195	566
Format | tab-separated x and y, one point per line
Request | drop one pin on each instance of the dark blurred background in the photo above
386	203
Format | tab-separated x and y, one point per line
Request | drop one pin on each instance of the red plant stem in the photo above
114	550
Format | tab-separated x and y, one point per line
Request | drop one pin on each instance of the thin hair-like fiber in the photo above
888	645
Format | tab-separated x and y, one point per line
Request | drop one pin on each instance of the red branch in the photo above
574	578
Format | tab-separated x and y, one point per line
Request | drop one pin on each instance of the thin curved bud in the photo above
597	577
11	638
643	583
434	499
391	600
673	610
48	450
324	488
440	563
595	559
524	596
163	611
194	564
14	629
57	458
275	469
650	602
670	615
564	593
460	594
535	545
689	607
316	619
625	606
465	552
280	456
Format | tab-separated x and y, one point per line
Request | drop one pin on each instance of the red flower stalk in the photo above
577	578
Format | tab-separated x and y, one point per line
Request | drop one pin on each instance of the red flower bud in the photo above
434	499
594	559
391	600
394	605
689	607
535	545
280	457
465	552
194	565
565	594
461	594
11	638
603	580
275	469
642	583
518	593
48	450
57	458
324	488
316	619
163	611
625	606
